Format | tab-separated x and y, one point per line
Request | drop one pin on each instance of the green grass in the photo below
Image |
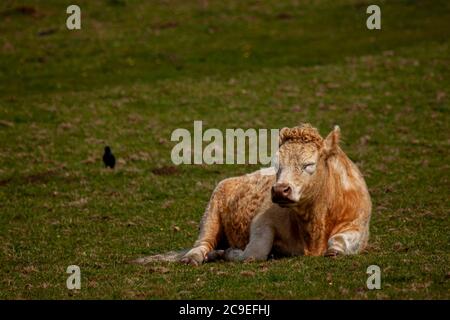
140	69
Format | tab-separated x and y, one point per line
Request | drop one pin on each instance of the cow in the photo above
314	202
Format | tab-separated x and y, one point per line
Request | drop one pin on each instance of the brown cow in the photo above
315	203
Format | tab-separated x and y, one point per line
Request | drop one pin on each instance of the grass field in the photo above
137	70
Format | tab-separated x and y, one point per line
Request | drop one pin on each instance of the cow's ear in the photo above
331	142
282	136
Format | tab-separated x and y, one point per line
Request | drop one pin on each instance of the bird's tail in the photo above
171	256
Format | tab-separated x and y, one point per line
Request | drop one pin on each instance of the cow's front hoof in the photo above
194	257
332	253
189	261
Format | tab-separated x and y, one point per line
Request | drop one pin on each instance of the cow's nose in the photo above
281	191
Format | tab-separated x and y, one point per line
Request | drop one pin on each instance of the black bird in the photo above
108	158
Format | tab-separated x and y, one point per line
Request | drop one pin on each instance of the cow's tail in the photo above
171	256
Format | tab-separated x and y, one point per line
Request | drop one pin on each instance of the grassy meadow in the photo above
137	70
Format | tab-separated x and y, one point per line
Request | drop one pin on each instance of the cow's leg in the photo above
260	244
210	230
346	242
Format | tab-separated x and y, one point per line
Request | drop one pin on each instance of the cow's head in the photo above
301	163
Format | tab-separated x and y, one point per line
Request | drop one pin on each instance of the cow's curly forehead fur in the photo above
295	154
305	133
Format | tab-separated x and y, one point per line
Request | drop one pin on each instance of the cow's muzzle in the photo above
282	194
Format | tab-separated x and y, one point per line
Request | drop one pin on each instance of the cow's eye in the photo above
309	167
